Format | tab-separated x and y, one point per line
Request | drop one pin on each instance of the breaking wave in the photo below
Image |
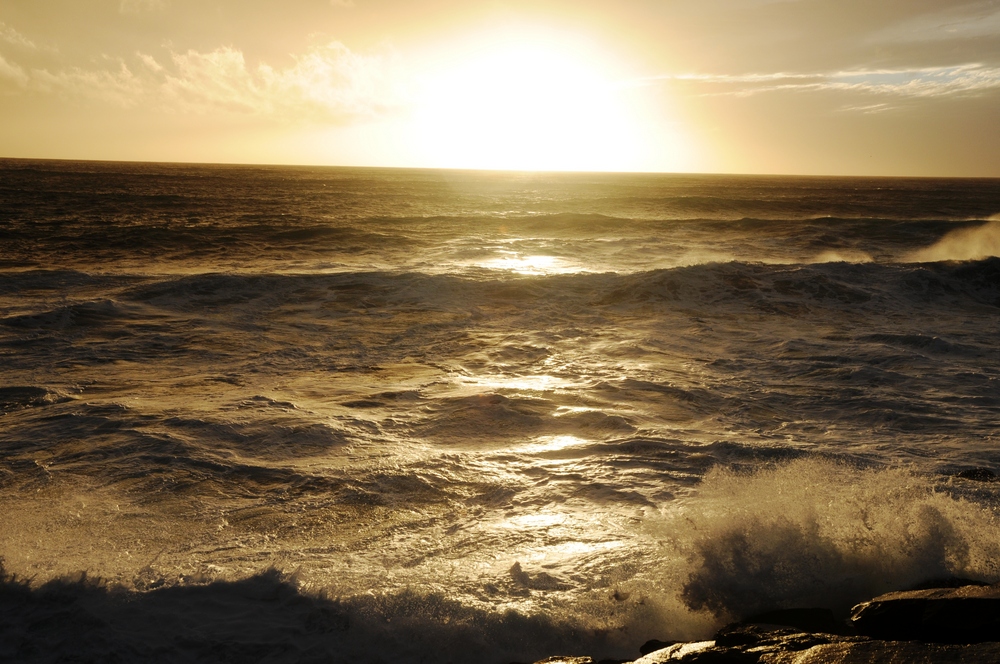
821	533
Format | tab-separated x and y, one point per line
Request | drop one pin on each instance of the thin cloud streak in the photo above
15	38
12	74
916	82
946	26
139	6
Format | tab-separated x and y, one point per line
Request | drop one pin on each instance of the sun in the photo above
538	102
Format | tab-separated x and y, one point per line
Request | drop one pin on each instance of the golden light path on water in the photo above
531	265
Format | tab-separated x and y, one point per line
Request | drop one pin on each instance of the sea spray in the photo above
815	532
963	244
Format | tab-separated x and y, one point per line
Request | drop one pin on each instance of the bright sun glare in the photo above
531	104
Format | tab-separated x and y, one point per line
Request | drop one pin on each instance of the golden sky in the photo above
867	87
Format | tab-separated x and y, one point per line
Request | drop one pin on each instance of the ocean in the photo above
254	413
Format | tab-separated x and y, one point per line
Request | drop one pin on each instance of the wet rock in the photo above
806	620
959	623
653	645
968	614
785	647
947	582
869	651
978	475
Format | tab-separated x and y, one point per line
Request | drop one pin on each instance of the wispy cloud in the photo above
867	109
328	82
116	86
964	22
925	82
15	38
914	82
139	6
12	74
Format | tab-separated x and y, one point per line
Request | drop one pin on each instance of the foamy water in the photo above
486	416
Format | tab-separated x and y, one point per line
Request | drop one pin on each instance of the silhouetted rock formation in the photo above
955	624
970	614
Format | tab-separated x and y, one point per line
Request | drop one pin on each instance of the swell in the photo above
722	287
700	286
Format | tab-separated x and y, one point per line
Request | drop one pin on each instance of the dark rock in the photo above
939	625
807	620
558	659
978	475
756	635
949	582
699	653
969	614
742	634
868	651
653	645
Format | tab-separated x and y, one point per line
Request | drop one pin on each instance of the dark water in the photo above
482	417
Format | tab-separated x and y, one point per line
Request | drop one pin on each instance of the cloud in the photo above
967	22
119	87
867	109
924	82
963	79
12	73
328	83
15	38
139	6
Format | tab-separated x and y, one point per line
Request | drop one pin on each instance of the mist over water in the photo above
488	416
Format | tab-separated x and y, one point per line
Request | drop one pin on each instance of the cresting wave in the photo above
824	533
709	285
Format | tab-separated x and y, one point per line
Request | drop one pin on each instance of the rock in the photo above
558	659
807	620
762	636
969	614
947	582
956	624
653	645
978	475
677	653
784	646
868	651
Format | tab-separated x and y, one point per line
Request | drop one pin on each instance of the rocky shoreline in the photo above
955	620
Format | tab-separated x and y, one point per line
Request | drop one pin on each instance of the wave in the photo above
815	532
963	245
271	616
781	533
790	290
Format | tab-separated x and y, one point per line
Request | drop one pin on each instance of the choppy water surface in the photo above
498	415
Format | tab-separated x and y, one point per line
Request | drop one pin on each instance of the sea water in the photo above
426	415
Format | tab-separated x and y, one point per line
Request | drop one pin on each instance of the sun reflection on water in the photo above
533	265
533	383
553	443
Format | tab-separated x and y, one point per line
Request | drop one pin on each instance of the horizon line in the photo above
494	170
